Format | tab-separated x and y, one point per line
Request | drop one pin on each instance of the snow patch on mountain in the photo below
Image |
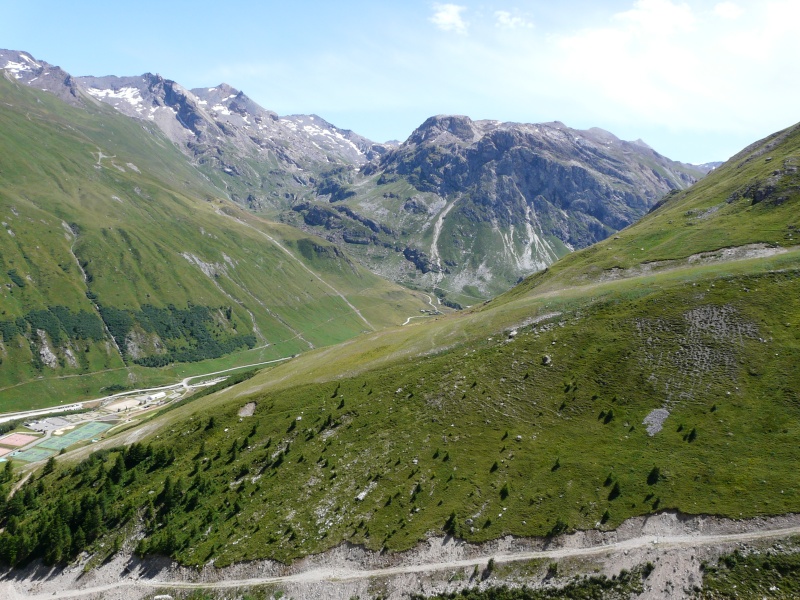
131	95
29	65
15	68
221	109
335	136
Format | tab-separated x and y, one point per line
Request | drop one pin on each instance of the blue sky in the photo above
697	80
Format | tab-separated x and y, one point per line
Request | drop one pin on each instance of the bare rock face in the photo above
46	353
583	184
69	355
479	204
421	260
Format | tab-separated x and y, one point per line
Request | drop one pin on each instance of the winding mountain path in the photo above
434	310
302	265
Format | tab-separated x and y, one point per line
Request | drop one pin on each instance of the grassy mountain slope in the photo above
103	217
456	426
542	411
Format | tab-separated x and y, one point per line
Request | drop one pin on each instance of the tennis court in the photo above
34	454
18	439
4	451
87	432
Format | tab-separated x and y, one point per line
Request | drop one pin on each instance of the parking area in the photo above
49	424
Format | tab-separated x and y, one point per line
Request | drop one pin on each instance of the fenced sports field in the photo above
87	432
17	440
34	454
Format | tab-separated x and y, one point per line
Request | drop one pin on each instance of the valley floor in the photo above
675	545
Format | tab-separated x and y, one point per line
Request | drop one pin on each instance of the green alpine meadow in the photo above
283	418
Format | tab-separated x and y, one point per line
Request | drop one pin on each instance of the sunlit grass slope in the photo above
524	419
103	216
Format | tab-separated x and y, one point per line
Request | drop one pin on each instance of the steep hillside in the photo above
746	207
117	252
542	412
468	207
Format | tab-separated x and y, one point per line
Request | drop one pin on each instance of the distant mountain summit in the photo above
22	67
201	115
474	205
264	161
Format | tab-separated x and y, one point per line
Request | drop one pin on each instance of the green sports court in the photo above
33	454
87	432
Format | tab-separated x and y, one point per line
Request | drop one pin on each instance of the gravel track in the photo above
671	540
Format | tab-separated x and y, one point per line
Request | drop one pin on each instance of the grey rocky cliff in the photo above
502	200
584	184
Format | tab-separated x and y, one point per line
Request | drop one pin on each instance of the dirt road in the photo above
183	384
336	572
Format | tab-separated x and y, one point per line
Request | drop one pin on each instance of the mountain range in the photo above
528	194
640	378
463	209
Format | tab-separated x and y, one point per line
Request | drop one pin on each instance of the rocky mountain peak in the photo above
219	93
225	88
445	129
601	135
529	192
24	68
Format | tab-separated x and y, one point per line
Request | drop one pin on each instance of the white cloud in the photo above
674	73
728	10
447	17
665	64
660	17
506	20
657	69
